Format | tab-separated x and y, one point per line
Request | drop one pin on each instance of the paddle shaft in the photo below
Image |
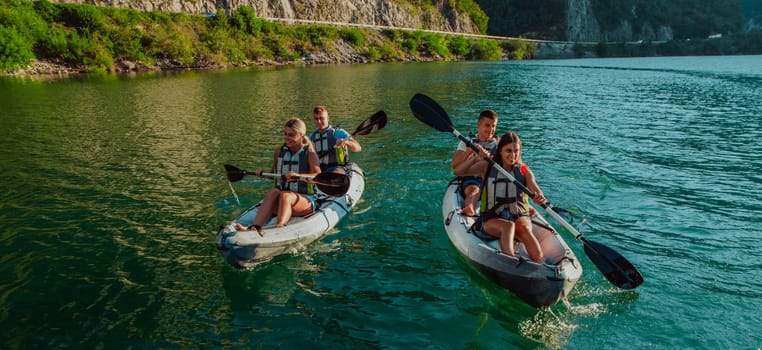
296	178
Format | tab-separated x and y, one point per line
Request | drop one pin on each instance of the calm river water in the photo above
112	189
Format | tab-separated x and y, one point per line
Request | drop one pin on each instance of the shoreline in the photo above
51	70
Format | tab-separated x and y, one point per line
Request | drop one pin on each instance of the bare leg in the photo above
524	232
292	203
266	209
503	229
471	199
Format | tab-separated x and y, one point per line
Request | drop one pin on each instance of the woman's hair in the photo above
298	125
508	138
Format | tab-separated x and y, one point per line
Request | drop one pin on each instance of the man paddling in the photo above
485	138
331	143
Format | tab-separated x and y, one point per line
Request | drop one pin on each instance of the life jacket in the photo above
499	193
324	146
299	163
490	145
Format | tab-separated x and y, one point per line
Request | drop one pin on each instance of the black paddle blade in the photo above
376	122
430	113
613	265
234	173
332	184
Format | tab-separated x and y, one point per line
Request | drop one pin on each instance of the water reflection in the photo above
113	188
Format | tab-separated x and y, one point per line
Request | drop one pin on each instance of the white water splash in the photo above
548	328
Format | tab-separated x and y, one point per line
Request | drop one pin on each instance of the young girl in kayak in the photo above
505	209
296	157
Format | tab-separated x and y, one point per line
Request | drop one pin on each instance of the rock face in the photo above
580	22
372	12
582	26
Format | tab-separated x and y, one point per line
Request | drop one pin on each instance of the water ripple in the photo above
112	191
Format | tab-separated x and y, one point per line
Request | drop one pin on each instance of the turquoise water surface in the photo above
112	190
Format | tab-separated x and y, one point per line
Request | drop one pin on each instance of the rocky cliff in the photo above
582	26
580	22
373	12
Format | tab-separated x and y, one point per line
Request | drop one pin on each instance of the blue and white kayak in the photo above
537	284
246	249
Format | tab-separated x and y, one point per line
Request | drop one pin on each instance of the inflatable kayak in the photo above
537	284
245	249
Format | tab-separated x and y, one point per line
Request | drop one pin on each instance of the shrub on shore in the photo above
98	38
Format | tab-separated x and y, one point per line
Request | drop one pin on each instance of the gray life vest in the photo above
324	146
490	145
299	163
499	193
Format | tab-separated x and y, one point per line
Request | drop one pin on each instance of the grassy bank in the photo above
101	39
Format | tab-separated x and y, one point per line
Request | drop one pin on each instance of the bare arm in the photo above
350	143
532	185
458	158
314	164
473	165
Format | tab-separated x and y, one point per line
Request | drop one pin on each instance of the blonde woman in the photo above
296	157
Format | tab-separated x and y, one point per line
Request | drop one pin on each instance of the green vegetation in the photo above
473	10
98	38
427	10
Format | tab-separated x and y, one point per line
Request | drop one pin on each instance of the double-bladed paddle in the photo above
332	184
375	122
613	265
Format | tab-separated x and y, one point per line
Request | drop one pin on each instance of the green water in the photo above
112	190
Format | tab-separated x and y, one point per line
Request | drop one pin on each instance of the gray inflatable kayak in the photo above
537	284
245	249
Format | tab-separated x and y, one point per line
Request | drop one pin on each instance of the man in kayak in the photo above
331	143
505	209
296	157
485	138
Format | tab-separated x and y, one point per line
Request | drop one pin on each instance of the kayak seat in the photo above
483	236
476	230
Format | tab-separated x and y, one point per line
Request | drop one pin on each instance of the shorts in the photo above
312	200
468	181
333	168
478	227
